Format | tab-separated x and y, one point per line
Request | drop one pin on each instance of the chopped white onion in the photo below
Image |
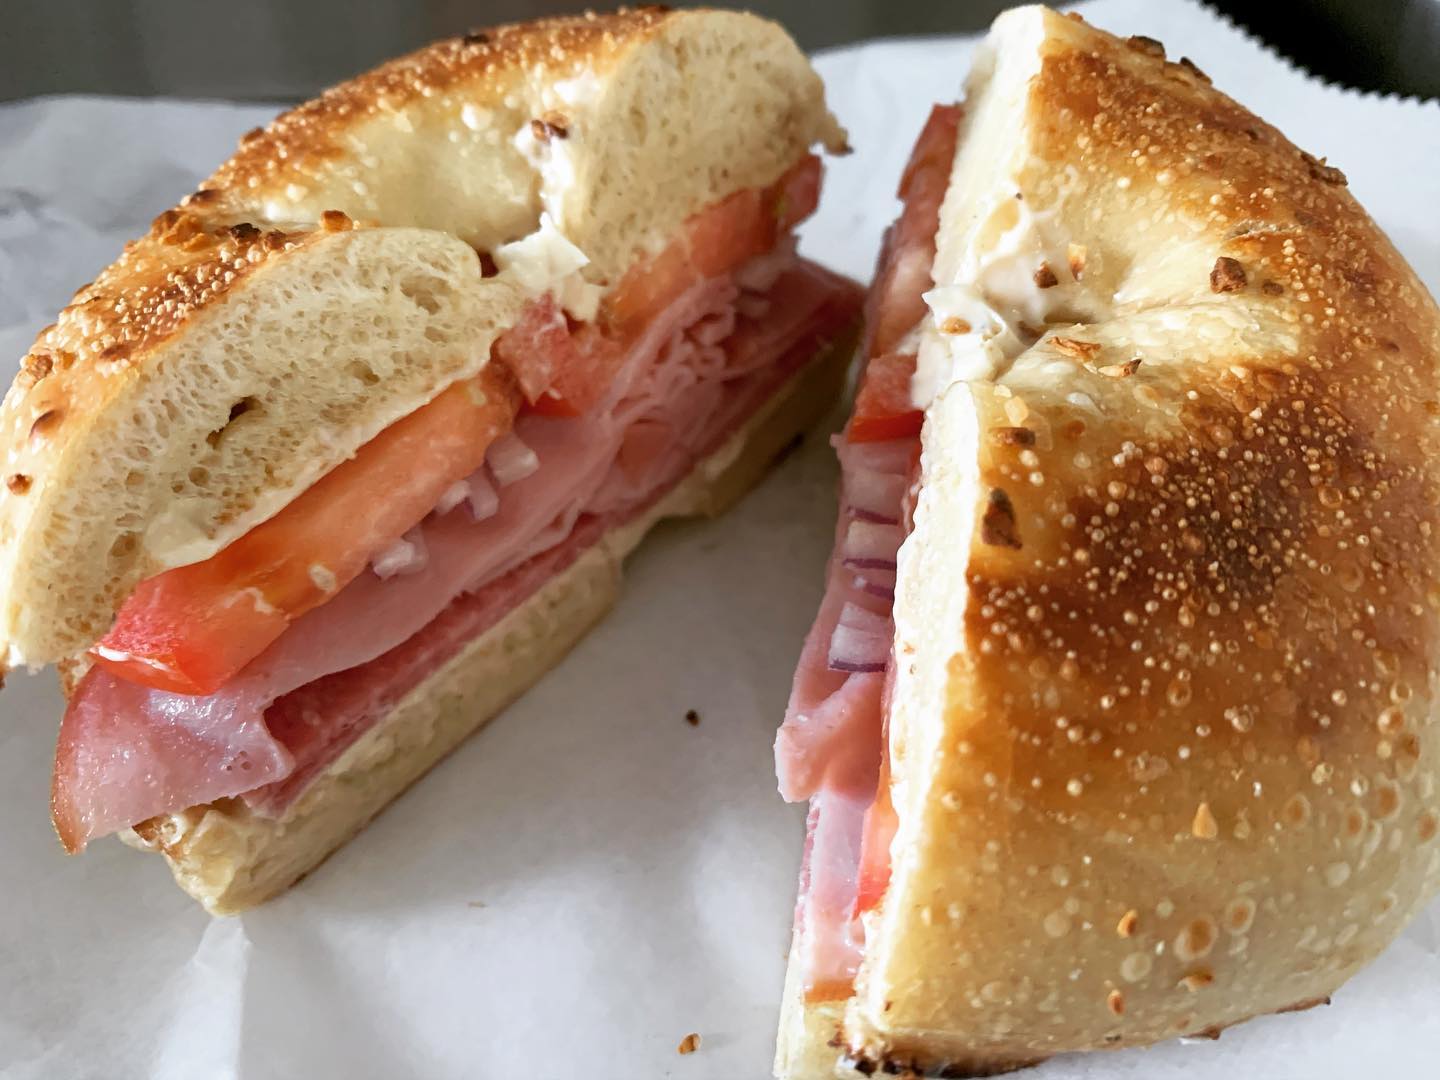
482	498
761	272
861	641
510	460
874	496
892	456
454	495
408	555
870	544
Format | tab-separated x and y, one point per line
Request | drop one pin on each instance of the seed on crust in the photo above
1320	171
553	125
1190	66
244	232
997	527
1045	277
335	221
955	325
1075	256
1204	827
1012	436
1084	351
17	483
1115	1002
39	365
1197	980
1272	288
1227	275
1128	923
1147	45
1121	371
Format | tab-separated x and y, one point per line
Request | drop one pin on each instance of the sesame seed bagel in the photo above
324	282
1163	724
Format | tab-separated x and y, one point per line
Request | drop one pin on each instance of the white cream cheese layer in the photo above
547	262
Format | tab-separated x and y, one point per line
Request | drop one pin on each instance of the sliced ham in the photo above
127	753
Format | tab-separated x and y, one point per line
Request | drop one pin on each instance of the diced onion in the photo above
454	495
510	460
893	456
874	496
870	544
482	498
876	581
761	272
408	555
861	641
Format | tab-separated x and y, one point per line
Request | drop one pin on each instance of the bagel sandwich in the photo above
347	451
1117	720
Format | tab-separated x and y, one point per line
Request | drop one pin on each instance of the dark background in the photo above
287	49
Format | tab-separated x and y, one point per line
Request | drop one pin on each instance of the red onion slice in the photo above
510	460
869	544
876	581
861	641
874	496
482	498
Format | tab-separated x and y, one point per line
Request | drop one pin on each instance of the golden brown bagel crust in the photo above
118	453
1179	764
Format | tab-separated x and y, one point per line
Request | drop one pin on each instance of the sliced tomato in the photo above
537	347
933	156
798	193
190	629
715	241
648	288
880	825
883	409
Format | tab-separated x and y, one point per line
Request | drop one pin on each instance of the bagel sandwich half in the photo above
1117	721
347	451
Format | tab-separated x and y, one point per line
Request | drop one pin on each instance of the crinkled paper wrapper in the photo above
592	877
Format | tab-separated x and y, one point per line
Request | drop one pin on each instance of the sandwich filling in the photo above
247	674
970	277
831	748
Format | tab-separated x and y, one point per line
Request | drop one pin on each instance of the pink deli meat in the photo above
127	753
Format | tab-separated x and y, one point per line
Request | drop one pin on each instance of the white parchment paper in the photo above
591	877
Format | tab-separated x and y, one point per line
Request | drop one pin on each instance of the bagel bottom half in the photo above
230	859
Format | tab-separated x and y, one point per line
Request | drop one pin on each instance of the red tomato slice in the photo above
190	629
883	409
582	372
880	825
716	241
798	193
537	347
